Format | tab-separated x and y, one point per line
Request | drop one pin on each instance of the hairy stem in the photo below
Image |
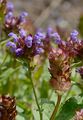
33	87
56	108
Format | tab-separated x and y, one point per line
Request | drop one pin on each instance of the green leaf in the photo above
46	108
38	73
24	111
44	92
68	110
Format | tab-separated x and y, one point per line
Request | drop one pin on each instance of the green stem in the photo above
2	42
65	98
30	77
3	61
56	108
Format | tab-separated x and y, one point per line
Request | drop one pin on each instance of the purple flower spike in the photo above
19	52
22	33
14	36
10	6
22	16
28	41
39	50
74	35
11	45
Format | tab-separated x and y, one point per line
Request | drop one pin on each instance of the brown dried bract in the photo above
7	108
60	70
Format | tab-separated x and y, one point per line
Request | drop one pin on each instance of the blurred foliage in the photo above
80	25
69	109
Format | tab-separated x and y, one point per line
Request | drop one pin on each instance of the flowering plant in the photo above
43	72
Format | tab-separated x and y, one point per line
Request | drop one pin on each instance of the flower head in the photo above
39	50
22	16
38	38
59	70
7	108
11	45
10	6
74	35
13	22
10	21
19	52
28	41
22	33
13	35
56	37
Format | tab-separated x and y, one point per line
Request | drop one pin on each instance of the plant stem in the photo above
2	42
3	60
65	98
56	108
30	77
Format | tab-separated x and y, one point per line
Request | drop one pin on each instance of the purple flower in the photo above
22	16
56	37
39	37
8	16
22	33
49	31
39	50
74	35
28	41
10	6
13	36
11	45
19	52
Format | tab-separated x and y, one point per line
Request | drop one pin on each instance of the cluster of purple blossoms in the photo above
73	47
41	42
26	45
61	58
12	22
30	45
